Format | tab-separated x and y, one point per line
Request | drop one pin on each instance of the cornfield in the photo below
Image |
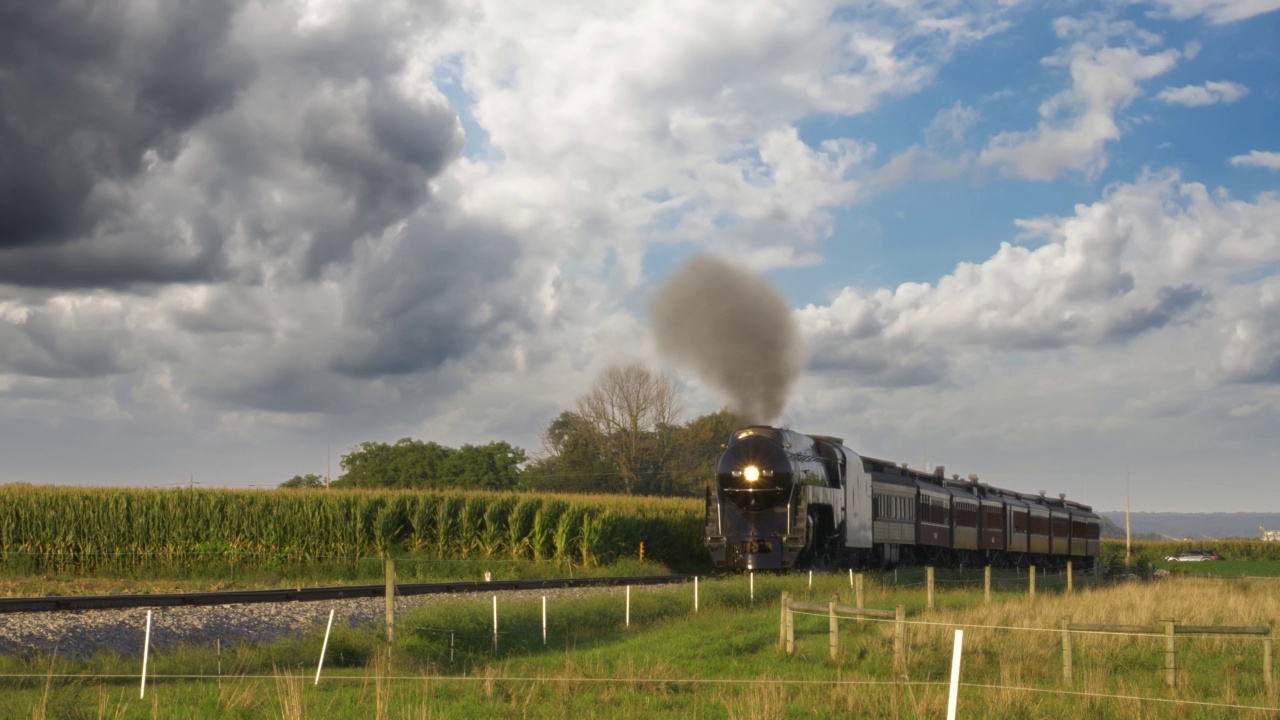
90	530
1152	551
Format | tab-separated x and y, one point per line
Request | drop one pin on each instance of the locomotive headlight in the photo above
751	473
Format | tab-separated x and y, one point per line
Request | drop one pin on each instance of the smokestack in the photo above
734	329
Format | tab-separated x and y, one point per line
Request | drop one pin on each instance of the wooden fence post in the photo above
1266	661
1032	576
1069	587
391	600
986	584
782	621
1170	654
791	631
835	626
900	638
857	594
929	580
1066	651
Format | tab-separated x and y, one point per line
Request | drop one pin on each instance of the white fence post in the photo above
695	593
544	619
146	648
955	675
324	646
628	606
495	624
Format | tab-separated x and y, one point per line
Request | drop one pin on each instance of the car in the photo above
1194	556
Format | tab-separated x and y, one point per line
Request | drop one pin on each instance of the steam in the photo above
733	328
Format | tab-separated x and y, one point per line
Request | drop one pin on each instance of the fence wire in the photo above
646	681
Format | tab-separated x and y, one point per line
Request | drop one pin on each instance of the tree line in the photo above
624	435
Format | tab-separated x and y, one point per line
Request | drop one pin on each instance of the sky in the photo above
1038	242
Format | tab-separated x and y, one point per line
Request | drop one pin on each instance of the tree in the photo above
624	417
702	441
569	461
303	481
413	463
493	467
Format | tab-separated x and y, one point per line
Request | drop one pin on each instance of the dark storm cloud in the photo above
54	344
194	140
229	206
86	89
381	152
434	299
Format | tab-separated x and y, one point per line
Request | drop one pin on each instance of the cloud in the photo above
1208	94
642	117
1219	12
1258	158
942	156
1076	124
1252	350
247	222
1148	256
225	139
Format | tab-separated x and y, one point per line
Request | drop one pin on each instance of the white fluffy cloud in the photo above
1150	254
1076	124
1208	94
1219	12
647	121
1258	158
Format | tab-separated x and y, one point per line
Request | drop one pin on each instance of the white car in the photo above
1194	556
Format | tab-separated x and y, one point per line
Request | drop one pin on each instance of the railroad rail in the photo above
240	597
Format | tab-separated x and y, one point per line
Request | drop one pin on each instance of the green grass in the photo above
1228	568
718	663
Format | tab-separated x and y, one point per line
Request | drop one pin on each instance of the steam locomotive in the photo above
784	500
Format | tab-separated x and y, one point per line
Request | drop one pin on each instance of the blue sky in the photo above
1034	241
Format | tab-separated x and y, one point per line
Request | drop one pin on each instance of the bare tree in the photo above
629	414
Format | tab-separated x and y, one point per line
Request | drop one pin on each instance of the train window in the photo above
1019	520
993	517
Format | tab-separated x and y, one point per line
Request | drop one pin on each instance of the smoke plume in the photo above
734	329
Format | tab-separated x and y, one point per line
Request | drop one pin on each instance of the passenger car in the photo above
1194	556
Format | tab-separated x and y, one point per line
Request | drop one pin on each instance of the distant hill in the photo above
1197	526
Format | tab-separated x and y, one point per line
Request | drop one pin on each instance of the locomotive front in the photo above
756	518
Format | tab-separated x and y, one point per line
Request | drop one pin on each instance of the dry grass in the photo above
289	690
1018	645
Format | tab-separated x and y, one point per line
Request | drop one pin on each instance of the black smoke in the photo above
733	328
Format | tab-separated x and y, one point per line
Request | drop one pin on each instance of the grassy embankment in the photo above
718	663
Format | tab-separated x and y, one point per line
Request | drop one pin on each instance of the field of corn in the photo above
1154	552
106	531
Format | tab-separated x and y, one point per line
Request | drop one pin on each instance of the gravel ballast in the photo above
81	633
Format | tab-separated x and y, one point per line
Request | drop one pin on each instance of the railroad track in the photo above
238	597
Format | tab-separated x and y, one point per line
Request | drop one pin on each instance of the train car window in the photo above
993	517
1060	527
1019	520
1039	524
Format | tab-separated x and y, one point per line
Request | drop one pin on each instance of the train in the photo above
785	500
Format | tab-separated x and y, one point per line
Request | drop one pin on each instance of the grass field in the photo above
718	663
1227	568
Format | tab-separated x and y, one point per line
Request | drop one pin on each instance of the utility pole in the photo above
328	453
1128	556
